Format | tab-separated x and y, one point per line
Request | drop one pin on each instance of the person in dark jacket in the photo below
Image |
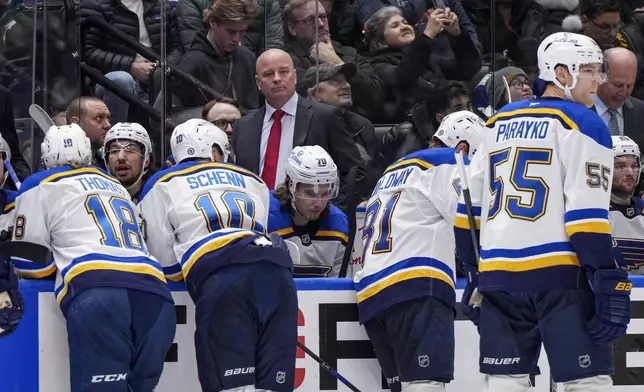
264	30
331	84
8	130
423	121
405	62
141	21
308	41
631	37
217	59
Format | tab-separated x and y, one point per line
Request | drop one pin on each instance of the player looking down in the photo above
405	291
626	210
300	212
461	130
206	223
119	312
127	151
540	188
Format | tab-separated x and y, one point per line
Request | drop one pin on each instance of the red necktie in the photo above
273	150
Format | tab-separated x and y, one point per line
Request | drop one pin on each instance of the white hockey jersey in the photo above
627	225
196	208
540	184
86	218
407	236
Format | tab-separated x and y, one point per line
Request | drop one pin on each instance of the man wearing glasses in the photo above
222	112
598	19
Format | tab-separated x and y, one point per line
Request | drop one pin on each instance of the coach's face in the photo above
276	77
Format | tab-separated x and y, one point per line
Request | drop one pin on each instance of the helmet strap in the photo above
567	90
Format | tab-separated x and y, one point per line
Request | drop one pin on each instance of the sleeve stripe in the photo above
461	222
586	213
462	209
588	227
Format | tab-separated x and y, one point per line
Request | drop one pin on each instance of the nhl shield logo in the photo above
306	240
423	361
280	377
584	361
630	211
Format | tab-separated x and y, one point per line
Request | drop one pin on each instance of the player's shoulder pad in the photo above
279	219
10	201
336	220
37	178
427	159
571	115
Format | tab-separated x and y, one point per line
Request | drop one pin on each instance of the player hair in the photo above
440	101
78	107
230	11
592	9
374	28
211	104
283	194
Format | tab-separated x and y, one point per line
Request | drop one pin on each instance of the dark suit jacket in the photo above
8	131
633	110
315	124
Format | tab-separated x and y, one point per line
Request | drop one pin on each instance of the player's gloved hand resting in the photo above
12	305
612	291
471	301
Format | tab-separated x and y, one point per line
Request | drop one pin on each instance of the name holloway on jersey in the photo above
196	208
627	225
87	219
407	235
540	185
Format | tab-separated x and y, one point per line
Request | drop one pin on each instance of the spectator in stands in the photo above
8	131
509	84
141	21
415	12
222	112
631	37
623	114
93	116
416	133
264	30
334	88
405	62
216	58
263	139
598	19
308	41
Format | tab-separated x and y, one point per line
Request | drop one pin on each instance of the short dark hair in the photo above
287	13
591	9
440	101
211	104
230	11
78	107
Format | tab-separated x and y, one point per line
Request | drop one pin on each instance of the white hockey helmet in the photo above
312	165
624	146
128	131
65	145
4	148
461	126
569	49
195	139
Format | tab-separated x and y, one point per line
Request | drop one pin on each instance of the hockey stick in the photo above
351	209
327	367
40	116
476	298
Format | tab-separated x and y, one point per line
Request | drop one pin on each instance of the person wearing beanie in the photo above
507	85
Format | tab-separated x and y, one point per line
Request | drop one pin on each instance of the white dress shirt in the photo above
602	110
286	141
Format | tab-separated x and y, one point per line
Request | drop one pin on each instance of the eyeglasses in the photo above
605	26
223	123
311	19
517	83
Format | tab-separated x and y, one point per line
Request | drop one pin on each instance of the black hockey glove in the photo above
12	304
471	301
612	291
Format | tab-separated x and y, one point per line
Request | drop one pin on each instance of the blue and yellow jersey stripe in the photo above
29	270
527	259
173	273
587	220
461	220
211	243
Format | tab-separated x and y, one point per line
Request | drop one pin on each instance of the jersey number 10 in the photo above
240	212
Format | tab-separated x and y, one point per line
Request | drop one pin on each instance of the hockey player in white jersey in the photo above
300	212
206	224
127	154
626	210
11	301
456	129
119	312
540	187
405	291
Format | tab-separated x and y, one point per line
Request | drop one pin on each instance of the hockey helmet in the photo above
569	49
4	148
66	144
195	139
128	131
312	165
461	126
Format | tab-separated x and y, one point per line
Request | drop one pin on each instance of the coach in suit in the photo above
8	130
264	138
623	114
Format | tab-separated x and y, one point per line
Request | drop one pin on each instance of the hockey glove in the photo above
12	305
612	291
471	301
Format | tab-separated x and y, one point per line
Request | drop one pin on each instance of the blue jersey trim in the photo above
462	209
526	252
586	213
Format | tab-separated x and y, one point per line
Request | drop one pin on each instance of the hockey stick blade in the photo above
26	250
327	367
40	116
